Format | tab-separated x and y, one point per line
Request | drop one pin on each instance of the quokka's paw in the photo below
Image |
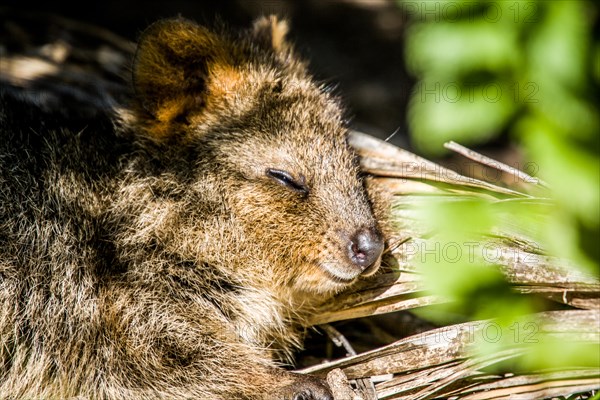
304	387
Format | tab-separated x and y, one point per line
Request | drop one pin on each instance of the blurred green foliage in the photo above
529	70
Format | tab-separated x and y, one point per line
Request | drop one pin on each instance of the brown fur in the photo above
154	257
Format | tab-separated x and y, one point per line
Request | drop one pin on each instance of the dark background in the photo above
356	44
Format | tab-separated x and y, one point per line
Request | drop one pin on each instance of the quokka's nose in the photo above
365	247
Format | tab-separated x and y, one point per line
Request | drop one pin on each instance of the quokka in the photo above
174	250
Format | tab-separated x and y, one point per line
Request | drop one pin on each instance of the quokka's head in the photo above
275	142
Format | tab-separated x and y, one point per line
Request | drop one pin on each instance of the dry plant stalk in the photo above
440	363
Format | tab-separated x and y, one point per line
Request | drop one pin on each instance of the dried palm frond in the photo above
442	363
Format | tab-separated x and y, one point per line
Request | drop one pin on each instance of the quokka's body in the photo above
172	250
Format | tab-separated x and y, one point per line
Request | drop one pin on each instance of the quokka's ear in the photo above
171	69
270	32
